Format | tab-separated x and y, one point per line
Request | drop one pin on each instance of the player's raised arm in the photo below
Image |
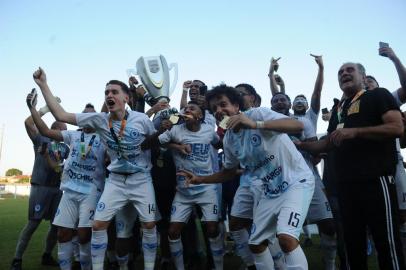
56	109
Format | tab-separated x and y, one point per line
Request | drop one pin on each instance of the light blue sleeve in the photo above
93	120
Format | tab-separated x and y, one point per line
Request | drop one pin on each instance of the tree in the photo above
13	172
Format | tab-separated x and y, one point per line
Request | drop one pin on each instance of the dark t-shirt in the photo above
42	174
359	158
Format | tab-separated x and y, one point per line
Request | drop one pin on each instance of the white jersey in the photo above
199	161
80	174
311	117
267	155
128	156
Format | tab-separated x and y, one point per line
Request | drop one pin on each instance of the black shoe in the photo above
16	264
76	265
48	260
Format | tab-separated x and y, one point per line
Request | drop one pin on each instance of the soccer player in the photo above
191	143
44	194
254	141
82	182
129	180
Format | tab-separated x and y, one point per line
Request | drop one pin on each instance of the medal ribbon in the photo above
84	152
118	138
340	109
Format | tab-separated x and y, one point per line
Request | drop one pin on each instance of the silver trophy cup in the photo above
154	74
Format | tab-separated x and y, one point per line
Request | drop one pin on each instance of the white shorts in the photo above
400	182
125	220
319	206
76	210
243	203
182	206
282	215
119	190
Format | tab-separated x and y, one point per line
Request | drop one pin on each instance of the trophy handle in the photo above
175	78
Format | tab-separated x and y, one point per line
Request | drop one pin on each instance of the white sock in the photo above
65	252
328	246
263	260
76	252
277	255
296	259
149	246
241	246
217	251
85	256
98	248
177	253
122	262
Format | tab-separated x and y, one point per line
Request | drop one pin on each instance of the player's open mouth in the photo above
110	102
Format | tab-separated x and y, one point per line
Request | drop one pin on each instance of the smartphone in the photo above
34	96
383	45
324	110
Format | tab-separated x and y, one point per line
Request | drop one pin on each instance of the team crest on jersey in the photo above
354	108
134	134
255	140
101	206
37	208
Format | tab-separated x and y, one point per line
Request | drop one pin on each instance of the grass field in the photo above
13	216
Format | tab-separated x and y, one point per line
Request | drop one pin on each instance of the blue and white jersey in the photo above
267	155
199	160
83	175
131	158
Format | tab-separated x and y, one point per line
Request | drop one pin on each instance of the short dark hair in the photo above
301	95
223	90
89	105
280	93
372	78
123	86
251	91
200	107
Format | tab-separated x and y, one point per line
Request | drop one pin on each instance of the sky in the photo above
83	44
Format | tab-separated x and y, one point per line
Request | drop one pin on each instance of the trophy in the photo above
154	74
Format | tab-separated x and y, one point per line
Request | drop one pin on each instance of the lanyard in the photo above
340	114
84	152
120	134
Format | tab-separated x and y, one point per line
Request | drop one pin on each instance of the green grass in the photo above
13	216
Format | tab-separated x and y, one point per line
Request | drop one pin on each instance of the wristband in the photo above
260	124
185	89
44	110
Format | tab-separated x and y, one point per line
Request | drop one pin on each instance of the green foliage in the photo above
13	172
23	180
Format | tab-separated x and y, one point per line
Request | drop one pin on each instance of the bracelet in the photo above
260	124
185	89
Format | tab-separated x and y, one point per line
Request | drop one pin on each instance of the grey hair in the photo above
360	67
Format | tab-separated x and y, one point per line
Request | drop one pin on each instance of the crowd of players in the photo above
123	183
